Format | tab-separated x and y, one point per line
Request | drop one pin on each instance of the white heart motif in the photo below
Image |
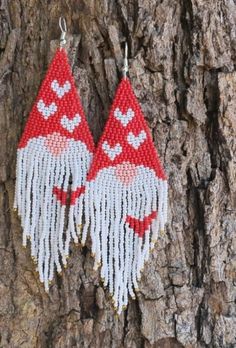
136	141
60	90
70	124
124	118
111	152
46	111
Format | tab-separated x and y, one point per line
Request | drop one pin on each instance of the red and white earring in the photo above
125	196
53	159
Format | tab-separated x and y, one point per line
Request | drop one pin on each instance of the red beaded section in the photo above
58	107
66	197
62	196
126	137
141	226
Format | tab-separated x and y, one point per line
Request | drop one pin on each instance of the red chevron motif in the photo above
141	226
63	196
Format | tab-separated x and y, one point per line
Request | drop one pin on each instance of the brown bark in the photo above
182	67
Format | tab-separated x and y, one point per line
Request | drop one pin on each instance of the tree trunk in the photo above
182	67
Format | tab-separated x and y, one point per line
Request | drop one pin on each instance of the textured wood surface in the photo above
182	67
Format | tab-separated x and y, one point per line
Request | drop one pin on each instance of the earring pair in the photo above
65	187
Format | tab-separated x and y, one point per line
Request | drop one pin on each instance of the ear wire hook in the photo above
63	27
126	66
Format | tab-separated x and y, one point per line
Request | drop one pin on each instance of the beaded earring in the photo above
53	158
125	196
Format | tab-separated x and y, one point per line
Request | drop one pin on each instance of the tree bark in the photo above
182	67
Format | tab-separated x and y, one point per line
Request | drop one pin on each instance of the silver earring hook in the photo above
126	66
63	27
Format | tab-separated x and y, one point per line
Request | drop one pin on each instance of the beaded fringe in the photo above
44	218
116	247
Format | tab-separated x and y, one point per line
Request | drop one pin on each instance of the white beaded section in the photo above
136	140
43	217
120	251
124	119
70	123
60	90
112	151
46	110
